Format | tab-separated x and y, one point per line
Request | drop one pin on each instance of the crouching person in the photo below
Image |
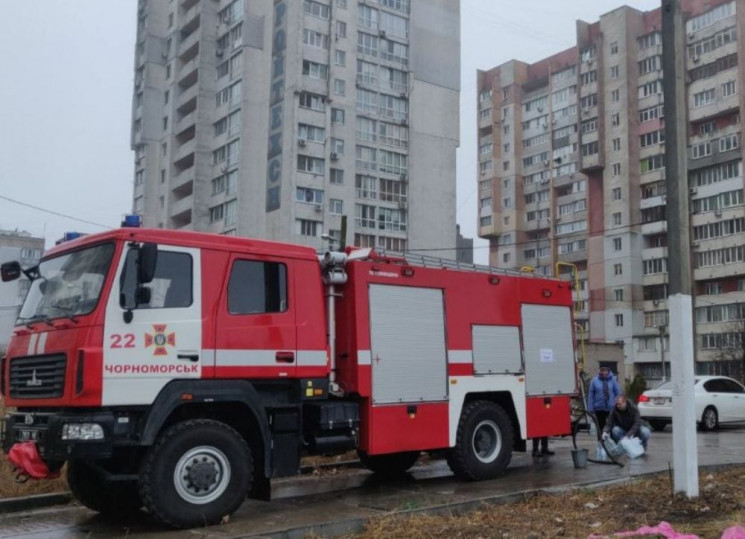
624	421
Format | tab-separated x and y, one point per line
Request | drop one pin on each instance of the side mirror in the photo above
147	259
10	271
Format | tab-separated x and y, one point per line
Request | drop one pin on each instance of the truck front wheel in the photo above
483	445
90	487
198	472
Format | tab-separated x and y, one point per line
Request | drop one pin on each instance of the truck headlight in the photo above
82	431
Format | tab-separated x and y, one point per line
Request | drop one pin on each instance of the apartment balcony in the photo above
190	19
652	177
186	122
188	74
720	271
187	100
181	207
652	202
189	47
185	150
654	228
183	183
591	162
720	107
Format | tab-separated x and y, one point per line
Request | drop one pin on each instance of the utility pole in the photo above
680	303
662	350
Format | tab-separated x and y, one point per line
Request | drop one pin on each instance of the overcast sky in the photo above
66	94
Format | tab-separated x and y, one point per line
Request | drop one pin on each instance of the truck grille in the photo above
38	377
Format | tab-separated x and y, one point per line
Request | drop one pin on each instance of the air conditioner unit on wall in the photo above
334	156
319	207
301	142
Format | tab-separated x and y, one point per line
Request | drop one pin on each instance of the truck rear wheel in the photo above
483	445
112	498
389	465
197	472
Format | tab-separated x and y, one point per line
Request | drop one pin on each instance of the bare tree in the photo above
729	360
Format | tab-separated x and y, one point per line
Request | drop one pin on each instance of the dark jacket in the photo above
602	393
629	419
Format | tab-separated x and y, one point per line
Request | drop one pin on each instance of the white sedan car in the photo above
718	400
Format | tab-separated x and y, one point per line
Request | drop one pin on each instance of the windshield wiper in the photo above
69	313
36	318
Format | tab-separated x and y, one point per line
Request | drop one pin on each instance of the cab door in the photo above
163	339
255	334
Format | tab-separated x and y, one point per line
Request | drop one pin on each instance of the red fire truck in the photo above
181	371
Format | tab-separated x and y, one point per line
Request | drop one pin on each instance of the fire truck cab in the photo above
182	371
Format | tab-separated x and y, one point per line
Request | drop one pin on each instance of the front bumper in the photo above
45	430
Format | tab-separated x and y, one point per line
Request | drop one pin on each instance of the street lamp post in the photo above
662	350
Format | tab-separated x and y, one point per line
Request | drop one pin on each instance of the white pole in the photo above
685	452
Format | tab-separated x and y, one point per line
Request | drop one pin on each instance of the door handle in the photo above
190	357
285	357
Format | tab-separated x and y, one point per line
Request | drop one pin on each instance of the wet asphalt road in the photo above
354	494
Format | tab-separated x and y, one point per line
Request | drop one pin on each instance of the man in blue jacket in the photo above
601	395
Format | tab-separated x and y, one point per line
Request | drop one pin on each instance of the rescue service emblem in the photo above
160	340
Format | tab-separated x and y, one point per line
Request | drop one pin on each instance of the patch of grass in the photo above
582	512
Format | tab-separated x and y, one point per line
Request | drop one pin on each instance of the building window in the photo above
340	58
337	146
616	142
616	193
615	120
617	244
311	133
314	70
315	39
340	87
316	9
336	206
308	195
615	95
337	176
341	29
619	320
617	219
306	227
614	72
729	88
617	269
313	165
614	50
312	101
616	169
337	116
618	294
704	98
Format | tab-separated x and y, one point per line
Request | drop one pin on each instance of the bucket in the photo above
579	456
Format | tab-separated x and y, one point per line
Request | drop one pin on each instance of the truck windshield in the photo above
67	285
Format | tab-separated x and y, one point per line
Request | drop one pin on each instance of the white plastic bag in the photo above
600	453
633	447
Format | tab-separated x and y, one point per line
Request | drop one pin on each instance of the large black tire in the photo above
111	498
709	419
658	425
483	445
197	472
390	465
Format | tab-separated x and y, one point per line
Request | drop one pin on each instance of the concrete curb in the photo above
38	501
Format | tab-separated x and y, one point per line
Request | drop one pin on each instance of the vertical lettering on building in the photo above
276	103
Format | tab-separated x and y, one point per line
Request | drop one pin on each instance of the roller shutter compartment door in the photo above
549	350
407	334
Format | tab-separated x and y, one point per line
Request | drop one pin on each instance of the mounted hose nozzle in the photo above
332	267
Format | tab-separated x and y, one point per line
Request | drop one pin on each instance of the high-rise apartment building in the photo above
274	118
27	250
571	169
